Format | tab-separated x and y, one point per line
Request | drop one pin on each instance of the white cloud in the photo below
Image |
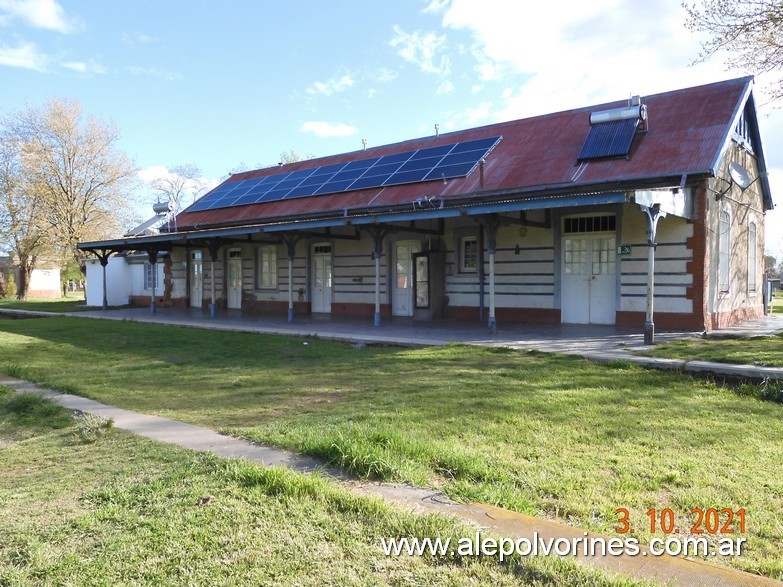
43	14
773	221
85	67
575	53
136	37
26	56
332	86
435	6
328	129
425	50
445	87
152	172
385	76
155	72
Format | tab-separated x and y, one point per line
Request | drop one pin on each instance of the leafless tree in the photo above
182	186
76	170
750	31
286	157
24	231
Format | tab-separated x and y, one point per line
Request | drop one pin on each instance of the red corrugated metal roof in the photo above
687	130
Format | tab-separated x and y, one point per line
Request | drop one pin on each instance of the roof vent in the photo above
612	131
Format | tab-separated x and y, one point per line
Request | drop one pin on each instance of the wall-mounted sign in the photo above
624	250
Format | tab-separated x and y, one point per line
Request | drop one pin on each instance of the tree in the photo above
286	157
63	181
76	171
751	32
24	230
182	185
770	261
292	156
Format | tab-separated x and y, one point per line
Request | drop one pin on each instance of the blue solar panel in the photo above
609	139
407	177
430	163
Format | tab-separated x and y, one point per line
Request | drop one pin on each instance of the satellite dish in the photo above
739	175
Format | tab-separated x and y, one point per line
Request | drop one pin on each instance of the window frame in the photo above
752	256
150	276
724	252
261	282
461	245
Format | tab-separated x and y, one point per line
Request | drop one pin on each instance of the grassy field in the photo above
125	510
73	302
553	436
766	351
777	303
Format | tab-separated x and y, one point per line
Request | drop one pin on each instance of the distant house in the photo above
44	280
542	220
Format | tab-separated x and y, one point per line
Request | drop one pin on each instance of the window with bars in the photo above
604	223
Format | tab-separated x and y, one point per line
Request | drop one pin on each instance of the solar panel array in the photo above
609	139
430	163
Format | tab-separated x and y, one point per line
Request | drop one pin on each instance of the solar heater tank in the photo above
162	207
638	112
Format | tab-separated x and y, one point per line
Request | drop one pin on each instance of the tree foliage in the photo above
64	180
750	31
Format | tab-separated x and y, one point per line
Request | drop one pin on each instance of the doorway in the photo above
196	279
234	285
322	278
402	292
589	269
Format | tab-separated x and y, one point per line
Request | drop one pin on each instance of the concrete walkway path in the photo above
503	523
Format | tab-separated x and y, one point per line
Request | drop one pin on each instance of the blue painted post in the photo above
492	326
377	256
653	214
153	258
104	259
212	302
290	286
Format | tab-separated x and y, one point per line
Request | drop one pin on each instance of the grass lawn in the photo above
73	302
553	436
777	303
126	511
766	351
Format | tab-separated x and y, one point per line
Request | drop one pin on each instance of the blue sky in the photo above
218	84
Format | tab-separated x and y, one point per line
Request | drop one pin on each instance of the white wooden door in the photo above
588	281
402	292
603	281
196	279
235	279
322	279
